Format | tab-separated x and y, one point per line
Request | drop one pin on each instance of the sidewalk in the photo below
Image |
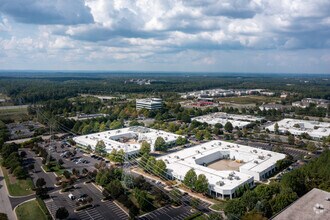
5	205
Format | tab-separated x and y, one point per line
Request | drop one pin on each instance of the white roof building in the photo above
129	139
257	164
150	103
315	129
222	118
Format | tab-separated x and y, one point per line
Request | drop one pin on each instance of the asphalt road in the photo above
5	204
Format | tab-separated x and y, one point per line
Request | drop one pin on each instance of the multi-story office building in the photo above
150	103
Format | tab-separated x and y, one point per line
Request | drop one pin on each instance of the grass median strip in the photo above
30	210
18	187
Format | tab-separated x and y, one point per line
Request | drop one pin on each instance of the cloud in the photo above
47	11
156	31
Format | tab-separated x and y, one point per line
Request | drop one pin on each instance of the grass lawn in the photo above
249	99
30	210
219	206
18	187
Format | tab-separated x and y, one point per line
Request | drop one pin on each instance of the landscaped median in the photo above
30	210
17	187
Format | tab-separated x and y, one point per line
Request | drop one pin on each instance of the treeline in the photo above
267	200
31	90
3	133
13	160
135	193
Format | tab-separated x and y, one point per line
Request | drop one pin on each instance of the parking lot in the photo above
22	130
101	210
80	160
169	212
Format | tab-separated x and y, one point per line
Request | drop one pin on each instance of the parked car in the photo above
71	196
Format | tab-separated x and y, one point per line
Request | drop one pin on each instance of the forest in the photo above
29	90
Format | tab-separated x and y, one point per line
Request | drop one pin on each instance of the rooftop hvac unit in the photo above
327	199
237	178
261	157
255	151
220	183
256	161
230	177
177	157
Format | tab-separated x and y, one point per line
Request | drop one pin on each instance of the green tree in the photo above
295	180
160	144
181	141
291	139
234	209
311	147
276	128
100	148
160	168
115	188
249	199
142	199
201	184
19	172
150	166
229	127
40	182
145	148
190	179
62	213
282	200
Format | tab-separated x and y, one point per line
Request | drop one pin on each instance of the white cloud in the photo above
146	31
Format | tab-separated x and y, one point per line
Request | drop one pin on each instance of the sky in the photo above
261	36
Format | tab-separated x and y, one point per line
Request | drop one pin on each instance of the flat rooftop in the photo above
315	129
222	118
252	159
129	139
313	205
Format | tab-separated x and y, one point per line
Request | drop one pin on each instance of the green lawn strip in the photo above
43	207
21	187
53	168
219	206
30	210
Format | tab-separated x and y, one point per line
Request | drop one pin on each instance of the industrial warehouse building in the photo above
129	139
150	104
227	166
315	129
239	121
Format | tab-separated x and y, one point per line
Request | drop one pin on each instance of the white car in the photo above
71	196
